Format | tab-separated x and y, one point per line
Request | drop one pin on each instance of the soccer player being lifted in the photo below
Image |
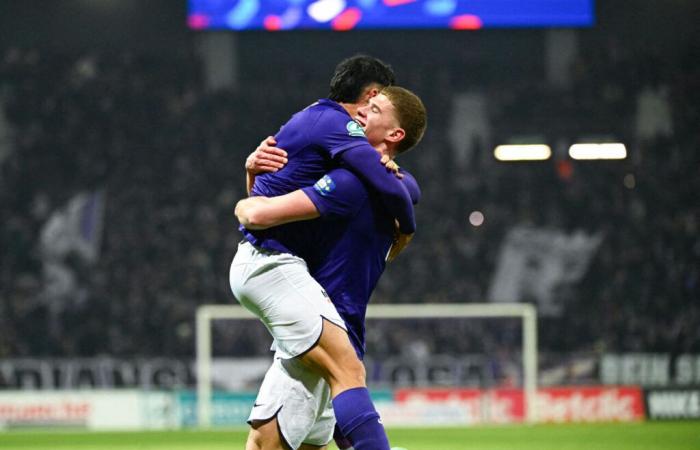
352	237
279	289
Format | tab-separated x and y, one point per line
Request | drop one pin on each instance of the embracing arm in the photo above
265	158
402	240
364	161
411	186
259	213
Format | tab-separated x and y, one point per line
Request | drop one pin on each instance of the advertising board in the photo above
475	406
94	410
672	404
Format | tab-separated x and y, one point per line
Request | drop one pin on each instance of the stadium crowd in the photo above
168	155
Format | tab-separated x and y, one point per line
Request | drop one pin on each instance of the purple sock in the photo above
359	421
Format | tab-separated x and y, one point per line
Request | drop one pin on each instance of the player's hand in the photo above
391	166
401	241
266	158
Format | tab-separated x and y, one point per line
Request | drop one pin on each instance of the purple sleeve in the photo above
338	194
336	133
411	185
345	140
364	162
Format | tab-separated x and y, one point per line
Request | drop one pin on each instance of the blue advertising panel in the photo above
344	15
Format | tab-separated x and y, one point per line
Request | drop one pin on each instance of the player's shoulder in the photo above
324	107
406	173
346	180
315	119
331	115
327	106
344	175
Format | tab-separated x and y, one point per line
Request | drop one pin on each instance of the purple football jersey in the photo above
353	237
317	139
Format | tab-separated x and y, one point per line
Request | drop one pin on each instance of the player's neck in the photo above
351	108
386	149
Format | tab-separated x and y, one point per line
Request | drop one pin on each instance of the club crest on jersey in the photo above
325	185
354	129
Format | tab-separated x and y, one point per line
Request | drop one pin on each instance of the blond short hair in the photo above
411	114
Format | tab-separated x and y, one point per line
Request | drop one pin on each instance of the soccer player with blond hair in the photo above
353	232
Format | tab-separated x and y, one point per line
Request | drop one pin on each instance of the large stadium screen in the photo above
379	14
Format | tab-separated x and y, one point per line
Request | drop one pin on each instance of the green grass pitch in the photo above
638	436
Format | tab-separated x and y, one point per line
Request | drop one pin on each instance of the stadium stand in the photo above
168	156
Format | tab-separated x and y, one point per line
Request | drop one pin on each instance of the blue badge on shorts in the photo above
325	185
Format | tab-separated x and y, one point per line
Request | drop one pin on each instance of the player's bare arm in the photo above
269	158
266	213
258	213
400	242
265	158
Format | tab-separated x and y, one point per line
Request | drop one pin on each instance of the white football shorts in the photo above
301	401
278	288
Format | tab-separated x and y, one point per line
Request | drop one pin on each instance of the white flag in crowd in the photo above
533	262
77	227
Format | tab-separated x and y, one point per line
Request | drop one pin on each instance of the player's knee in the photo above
264	435
356	371
254	441
335	359
349	370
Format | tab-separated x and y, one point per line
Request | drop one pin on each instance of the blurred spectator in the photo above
169	158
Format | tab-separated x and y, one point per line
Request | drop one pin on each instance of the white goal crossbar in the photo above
207	313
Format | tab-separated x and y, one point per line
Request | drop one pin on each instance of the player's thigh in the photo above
299	402
264	435
335	359
280	291
312	447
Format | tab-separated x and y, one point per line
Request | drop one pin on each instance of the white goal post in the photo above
527	312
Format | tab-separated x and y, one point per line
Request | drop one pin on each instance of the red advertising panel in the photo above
433	407
565	404
590	404
44	413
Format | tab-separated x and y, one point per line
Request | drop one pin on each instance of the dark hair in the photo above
354	74
411	114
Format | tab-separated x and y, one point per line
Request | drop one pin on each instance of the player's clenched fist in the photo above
391	166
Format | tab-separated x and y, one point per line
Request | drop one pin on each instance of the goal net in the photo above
420	365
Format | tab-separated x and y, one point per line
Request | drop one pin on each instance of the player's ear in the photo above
396	134
372	91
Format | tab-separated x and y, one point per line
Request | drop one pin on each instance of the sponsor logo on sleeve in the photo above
354	129
325	185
